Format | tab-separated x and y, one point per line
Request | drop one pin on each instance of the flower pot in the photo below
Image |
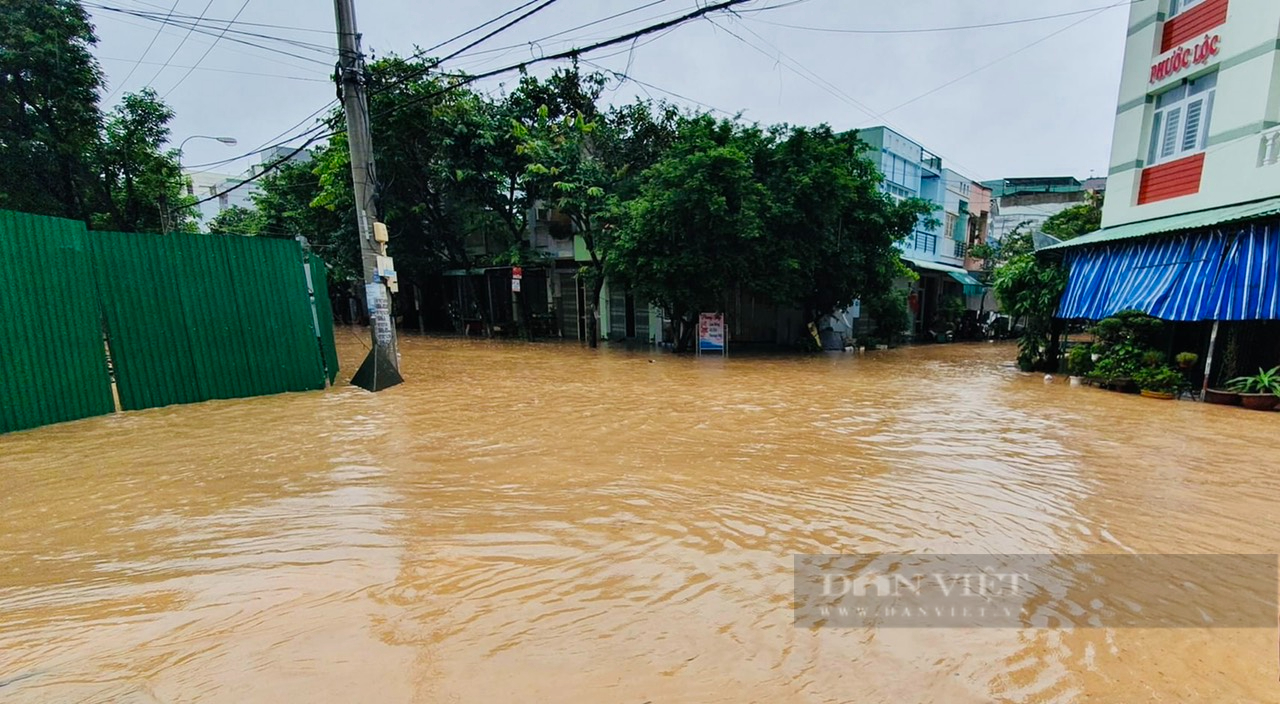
1163	395
1222	398
1077	381
1124	385
1259	402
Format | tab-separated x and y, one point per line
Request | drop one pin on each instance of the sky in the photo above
1024	98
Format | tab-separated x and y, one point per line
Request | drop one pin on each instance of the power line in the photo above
624	77
146	51
571	53
259	57
206	51
535	42
218	70
272	143
1009	55
178	48
420	72
953	28
477	27
238	36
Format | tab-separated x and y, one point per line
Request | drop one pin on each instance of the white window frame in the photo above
1177	7
1172	138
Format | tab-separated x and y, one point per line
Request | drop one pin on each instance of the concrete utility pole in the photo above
381	368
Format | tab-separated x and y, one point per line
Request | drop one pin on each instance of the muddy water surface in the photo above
544	523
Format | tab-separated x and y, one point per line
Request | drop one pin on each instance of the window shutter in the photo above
1169	142
1191	131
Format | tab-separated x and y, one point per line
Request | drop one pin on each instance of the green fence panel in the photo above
146	328
324	315
53	365
198	317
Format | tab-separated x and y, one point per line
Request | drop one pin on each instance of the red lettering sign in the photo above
1183	58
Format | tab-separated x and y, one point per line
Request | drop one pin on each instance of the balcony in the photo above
1269	149
961	249
923	242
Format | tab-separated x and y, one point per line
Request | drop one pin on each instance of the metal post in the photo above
381	368
1208	362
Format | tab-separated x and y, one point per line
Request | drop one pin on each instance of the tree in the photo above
1077	220
49	118
696	229
236	220
140	186
832	230
1030	288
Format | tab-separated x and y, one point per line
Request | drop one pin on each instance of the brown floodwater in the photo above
550	524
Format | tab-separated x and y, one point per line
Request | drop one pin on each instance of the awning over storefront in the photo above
1173	224
965	278
1205	276
972	287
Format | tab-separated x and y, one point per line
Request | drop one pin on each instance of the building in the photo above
1029	202
1192	214
937	251
221	188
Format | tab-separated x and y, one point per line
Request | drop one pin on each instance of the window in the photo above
1181	123
1177	7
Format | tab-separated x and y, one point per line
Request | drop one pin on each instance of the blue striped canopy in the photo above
1202	276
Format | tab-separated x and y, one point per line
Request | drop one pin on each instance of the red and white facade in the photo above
1198	120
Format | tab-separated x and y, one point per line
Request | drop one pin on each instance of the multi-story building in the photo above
935	250
1192	214
1029	202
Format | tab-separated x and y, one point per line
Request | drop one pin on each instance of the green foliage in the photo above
1153	358
1029	288
1161	379
59	154
1077	220
1187	359
695	229
141	185
1080	360
236	220
1264	382
49	118
891	314
1123	343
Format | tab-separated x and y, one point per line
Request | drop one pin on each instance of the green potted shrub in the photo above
1186	360
1079	363
1161	382
1260	392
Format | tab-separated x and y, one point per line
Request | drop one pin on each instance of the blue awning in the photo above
965	278
1206	276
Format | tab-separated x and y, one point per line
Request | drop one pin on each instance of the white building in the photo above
215	185
1198	110
1191	226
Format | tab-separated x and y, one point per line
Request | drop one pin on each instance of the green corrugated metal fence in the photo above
196	317
53	366
187	318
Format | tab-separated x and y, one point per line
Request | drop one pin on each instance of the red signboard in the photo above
517	272
1183	58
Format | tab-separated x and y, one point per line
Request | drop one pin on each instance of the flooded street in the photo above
547	523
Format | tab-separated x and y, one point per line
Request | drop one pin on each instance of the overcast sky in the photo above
1034	98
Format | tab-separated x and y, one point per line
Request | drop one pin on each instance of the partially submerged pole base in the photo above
377	372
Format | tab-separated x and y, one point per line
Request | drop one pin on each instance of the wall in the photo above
1246	111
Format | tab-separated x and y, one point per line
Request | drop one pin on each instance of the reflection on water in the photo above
547	523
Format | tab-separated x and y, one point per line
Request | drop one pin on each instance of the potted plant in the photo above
1079	363
1186	360
1260	392
1160	382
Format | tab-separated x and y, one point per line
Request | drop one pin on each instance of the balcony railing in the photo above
925	242
961	249
1269	149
